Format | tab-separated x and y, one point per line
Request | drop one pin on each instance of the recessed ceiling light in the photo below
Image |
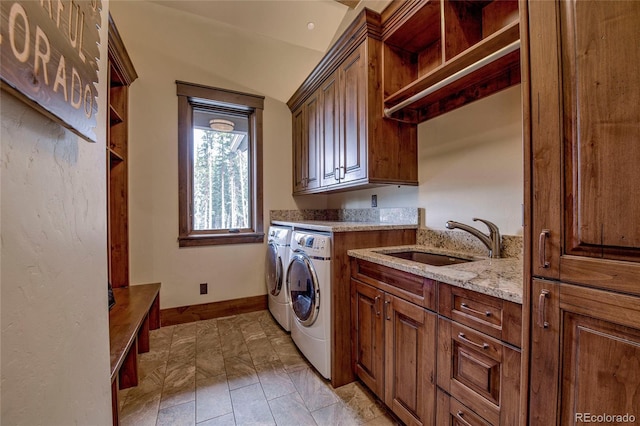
310	26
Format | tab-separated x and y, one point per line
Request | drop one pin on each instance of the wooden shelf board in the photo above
475	53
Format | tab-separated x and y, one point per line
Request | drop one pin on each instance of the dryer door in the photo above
304	289
274	269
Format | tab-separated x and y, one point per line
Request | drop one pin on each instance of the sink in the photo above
428	258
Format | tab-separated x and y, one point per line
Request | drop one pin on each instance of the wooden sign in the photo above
49	58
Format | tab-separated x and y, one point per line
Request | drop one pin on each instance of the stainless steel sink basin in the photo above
429	258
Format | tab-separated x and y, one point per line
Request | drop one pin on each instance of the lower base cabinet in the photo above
394	352
451	412
450	360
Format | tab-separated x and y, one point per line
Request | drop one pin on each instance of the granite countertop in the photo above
501	278
338	226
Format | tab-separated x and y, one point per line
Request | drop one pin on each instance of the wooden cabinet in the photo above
357	146
585	189
586	181
585	353
121	75
306	140
394	342
479	359
451	412
428	44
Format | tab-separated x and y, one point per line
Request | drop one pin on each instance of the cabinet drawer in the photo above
413	288
480	370
496	317
451	412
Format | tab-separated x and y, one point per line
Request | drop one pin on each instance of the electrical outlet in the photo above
204	288
374	201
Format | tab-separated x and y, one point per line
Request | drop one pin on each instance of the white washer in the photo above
276	262
309	290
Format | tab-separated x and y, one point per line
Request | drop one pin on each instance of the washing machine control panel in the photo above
312	244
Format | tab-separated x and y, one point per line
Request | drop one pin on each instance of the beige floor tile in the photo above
179	385
240	372
213	398
250	407
314	390
274	380
140	412
209	365
177	415
360	401
384	420
261	351
336	414
226	420
289	410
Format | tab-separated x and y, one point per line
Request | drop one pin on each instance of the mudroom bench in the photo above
137	310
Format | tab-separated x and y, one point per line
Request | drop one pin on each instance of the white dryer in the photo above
276	262
309	289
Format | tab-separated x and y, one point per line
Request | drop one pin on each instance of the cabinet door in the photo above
330	121
585	355
306	139
451	412
314	126
585	136
353	116
368	335
299	149
410	356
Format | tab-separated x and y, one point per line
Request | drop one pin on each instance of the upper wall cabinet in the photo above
439	55
341	139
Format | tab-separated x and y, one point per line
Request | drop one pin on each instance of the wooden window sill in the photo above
221	239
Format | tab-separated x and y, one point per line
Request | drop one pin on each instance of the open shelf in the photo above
428	42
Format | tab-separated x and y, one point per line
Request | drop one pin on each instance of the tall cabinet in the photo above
121	75
584	253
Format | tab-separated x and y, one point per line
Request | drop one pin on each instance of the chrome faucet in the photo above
492	241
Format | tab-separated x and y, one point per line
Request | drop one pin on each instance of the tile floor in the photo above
239	370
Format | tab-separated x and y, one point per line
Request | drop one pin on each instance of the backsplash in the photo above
511	245
379	215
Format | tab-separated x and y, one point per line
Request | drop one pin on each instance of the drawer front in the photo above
451	412
414	288
493	316
480	370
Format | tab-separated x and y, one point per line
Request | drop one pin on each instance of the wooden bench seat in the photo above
137	310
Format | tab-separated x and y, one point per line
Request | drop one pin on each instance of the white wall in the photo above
166	45
470	165
55	336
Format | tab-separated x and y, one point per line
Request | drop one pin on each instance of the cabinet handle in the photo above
336	173
462	337
460	416
343	172
542	248
465	306
376	300
542	308
386	310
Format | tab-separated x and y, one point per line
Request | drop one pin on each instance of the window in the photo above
220	166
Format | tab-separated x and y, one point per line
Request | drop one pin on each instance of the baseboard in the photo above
205	311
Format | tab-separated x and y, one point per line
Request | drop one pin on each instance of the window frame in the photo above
190	97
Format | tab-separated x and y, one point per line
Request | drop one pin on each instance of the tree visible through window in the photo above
220	180
220	166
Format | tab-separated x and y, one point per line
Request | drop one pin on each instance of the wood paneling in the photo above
205	311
